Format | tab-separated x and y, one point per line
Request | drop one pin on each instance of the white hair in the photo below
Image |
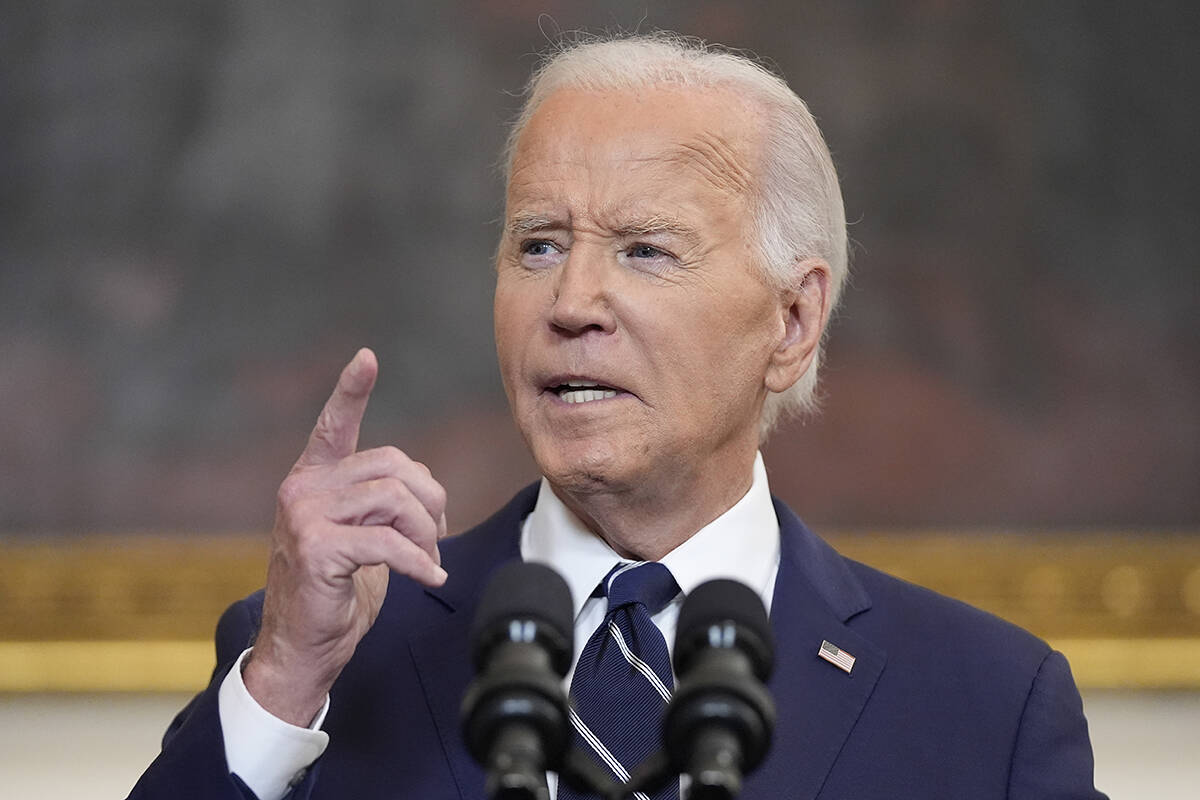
797	208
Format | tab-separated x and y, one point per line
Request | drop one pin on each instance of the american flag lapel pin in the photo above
836	656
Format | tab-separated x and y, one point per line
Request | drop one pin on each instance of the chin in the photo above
579	468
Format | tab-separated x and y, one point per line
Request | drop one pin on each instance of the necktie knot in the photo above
648	583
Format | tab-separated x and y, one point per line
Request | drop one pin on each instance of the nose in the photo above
582	295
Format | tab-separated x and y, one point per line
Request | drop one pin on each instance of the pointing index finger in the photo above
335	435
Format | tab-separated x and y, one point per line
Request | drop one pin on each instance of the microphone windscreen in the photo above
719	602
520	590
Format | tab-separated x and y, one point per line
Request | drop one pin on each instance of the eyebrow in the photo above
655	224
523	223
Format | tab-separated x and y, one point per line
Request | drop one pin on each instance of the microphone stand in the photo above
583	774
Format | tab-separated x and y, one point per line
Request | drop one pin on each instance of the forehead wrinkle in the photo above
718	162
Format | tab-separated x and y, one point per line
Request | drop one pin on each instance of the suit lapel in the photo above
818	703
443	661
442	654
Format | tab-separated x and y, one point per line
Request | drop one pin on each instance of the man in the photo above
674	243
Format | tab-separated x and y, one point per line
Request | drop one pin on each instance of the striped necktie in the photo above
623	680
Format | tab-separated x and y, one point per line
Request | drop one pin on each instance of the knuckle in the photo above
394	459
415	530
426	533
290	491
327	426
438	496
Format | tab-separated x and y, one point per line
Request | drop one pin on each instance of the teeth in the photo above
582	383
586	395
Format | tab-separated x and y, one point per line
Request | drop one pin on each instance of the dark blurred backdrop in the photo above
205	208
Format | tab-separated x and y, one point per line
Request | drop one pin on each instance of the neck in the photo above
647	521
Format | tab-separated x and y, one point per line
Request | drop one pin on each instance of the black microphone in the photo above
514	714
718	725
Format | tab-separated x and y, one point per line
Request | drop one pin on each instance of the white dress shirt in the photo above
268	754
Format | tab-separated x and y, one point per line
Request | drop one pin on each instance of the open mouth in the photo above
583	391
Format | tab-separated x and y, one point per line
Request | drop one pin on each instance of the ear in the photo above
803	313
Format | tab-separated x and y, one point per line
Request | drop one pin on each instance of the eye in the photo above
644	251
538	247
647	258
539	253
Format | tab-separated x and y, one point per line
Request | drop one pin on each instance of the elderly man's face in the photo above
635	332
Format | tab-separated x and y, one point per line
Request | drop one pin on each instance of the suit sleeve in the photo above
1052	757
191	765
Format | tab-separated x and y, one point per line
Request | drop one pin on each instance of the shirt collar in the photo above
742	544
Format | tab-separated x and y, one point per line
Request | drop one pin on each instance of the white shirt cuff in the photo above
268	754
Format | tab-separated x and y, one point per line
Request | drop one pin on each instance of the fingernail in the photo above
440	576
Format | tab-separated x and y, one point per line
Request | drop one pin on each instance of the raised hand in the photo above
344	519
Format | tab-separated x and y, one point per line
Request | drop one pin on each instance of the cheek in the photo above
508	308
518	296
734	330
517	309
731	348
505	324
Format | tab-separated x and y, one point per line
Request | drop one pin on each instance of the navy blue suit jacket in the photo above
944	701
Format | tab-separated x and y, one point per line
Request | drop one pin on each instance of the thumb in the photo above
335	435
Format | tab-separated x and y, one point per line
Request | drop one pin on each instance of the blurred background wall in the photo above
206	208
